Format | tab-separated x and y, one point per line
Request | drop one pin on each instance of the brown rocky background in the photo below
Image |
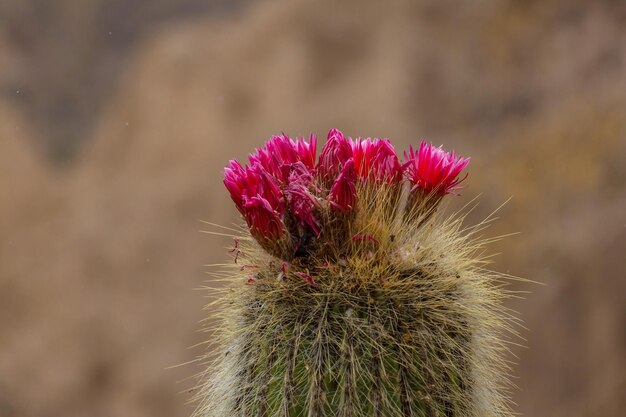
116	119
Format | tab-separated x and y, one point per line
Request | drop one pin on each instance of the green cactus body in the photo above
388	312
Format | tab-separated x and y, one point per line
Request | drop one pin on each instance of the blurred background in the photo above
116	118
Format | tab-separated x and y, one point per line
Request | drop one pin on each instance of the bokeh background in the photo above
116	118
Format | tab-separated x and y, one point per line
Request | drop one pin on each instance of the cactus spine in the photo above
387	311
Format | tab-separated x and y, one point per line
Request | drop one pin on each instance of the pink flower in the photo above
258	198
343	191
434	169
335	153
279	174
307	151
376	159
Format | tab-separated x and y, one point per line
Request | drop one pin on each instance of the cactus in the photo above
350	294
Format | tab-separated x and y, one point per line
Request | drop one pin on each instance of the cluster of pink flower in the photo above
283	187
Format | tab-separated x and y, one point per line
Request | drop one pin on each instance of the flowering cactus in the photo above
361	299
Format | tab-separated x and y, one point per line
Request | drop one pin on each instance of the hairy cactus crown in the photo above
288	198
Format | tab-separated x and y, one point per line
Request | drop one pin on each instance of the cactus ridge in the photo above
391	312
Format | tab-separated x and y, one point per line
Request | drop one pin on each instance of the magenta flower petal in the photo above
259	181
263	220
308	278
343	191
307	151
235	182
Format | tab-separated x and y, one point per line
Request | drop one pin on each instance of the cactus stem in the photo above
363	300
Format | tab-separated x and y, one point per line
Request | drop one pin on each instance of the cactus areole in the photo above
350	294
